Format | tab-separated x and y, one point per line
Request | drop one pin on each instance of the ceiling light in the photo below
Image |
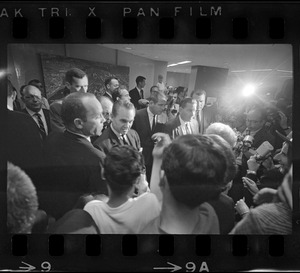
248	90
238	71
171	65
129	48
261	70
184	62
287	71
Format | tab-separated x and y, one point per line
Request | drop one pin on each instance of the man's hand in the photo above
143	102
253	165
241	207
163	140
265	195
268	163
283	120
250	185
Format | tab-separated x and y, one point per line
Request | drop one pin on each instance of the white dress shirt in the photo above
32	114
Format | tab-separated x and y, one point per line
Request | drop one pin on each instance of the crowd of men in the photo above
122	163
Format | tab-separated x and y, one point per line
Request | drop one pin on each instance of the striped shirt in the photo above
272	218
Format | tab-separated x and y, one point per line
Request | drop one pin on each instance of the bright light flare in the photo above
249	90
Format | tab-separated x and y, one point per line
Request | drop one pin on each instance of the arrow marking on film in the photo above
29	267
173	268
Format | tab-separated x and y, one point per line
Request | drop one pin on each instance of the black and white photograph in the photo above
149	138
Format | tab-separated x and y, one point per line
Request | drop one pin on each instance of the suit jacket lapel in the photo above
113	137
148	122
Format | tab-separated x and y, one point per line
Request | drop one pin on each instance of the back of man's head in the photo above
73	107
22	202
229	155
185	101
195	169
223	130
122	166
74	73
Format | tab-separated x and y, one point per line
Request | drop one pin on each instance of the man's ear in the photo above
68	85
78	123
102	173
14	95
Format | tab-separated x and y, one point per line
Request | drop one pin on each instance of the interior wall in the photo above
176	79
25	64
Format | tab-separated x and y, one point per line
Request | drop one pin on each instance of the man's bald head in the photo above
107	106
32	97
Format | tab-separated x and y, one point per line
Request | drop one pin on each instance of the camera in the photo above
263	151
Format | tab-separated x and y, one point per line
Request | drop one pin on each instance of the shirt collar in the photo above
149	112
108	94
10	108
115	132
78	134
182	122
31	113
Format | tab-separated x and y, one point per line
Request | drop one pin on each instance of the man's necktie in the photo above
188	130
198	113
123	138
153	123
41	125
142	93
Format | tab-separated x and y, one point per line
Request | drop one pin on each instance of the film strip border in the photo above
151	22
148	252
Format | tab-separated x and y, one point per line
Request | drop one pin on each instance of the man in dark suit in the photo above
184	123
137	93
204	115
145	123
74	164
32	99
76	81
119	132
111	85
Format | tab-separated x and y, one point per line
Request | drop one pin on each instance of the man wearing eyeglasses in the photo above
32	99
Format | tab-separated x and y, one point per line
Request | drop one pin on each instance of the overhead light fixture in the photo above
128	48
184	62
261	70
286	71
171	65
238	71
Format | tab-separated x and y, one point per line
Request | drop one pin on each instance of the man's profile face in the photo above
113	85
143	83
187	112
93	124
122	122
32	98
78	85
159	107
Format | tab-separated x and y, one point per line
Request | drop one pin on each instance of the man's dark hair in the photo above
22	89
229	155
185	101
34	81
108	80
156	95
152	87
72	107
122	166
74	73
22	201
201	92
121	103
261	111
139	79
195	168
